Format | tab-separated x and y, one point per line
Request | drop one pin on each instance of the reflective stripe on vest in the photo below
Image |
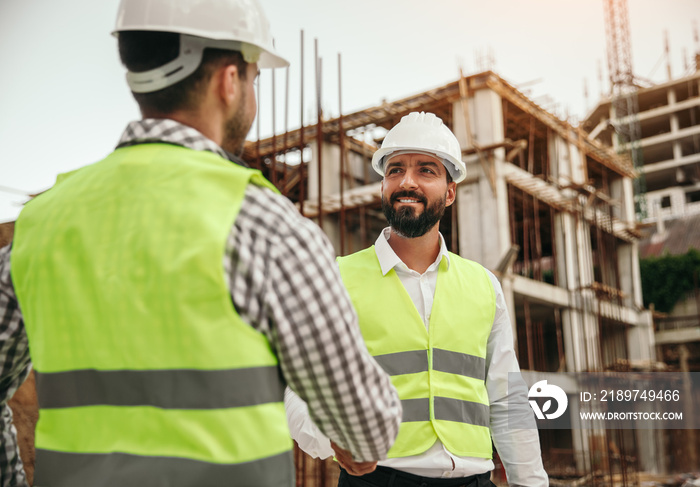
443	360
180	472
169	389
446	409
144	368
440	372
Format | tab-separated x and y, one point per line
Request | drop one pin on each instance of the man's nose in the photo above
407	181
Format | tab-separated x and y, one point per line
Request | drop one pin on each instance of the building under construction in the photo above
549	209
668	117
545	206
669	122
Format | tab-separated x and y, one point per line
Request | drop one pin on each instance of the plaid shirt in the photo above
285	283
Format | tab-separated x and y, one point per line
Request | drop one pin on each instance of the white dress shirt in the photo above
519	449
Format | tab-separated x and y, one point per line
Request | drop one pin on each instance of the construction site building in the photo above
669	120
549	209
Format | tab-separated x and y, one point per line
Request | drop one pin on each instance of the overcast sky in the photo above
64	101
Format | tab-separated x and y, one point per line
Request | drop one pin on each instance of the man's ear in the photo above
228	79
451	193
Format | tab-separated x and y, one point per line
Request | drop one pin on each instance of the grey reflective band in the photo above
459	363
58	469
404	362
448	409
415	410
443	360
170	389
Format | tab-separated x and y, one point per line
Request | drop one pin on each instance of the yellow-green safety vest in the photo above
439	373
146	374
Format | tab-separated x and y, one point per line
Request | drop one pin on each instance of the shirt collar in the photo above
388	258
153	130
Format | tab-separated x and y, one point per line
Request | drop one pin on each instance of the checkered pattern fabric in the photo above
284	282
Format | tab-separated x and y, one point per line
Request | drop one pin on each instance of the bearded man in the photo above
438	324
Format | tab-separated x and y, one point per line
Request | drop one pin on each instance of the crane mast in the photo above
624	104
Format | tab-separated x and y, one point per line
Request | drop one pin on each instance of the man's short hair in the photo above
145	50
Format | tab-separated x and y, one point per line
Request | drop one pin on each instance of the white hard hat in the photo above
239	25
423	133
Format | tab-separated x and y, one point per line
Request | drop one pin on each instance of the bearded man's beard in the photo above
237	128
404	220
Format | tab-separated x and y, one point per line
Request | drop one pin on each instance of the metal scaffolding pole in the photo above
341	134
302	194
319	133
286	125
273	156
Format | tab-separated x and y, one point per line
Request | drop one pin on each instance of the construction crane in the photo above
625	106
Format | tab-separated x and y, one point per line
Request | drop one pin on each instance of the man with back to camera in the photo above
439	325
168	295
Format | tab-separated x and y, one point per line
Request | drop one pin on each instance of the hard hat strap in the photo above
186	63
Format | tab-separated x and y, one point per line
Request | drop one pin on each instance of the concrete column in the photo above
675	127
572	316
494	216
677	150
471	221
330	158
630	277
570	321
560	242
502	225
484	232
673	117
640	339
485	119
589	328
628	211
622	190
577	169
561	158
484	227
624	267
636	277
671	96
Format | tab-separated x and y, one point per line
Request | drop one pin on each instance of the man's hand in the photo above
345	460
